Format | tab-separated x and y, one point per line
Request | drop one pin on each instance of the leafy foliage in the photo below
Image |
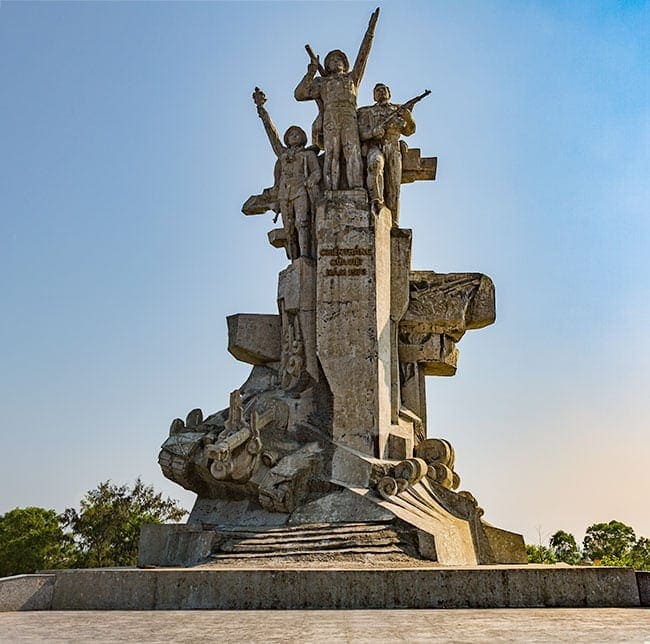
639	557
540	554
32	539
605	543
564	547
107	527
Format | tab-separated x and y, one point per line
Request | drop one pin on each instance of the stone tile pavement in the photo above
331	626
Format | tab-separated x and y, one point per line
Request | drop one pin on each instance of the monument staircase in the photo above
307	541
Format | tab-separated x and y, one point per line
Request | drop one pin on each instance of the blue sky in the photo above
129	142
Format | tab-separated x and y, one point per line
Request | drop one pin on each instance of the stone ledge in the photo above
26	592
349	588
643	581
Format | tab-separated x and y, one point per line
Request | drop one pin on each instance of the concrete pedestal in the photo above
304	587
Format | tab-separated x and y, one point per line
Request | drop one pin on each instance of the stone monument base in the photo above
338	586
381	539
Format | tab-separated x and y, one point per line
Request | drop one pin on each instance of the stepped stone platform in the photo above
299	541
176	545
341	586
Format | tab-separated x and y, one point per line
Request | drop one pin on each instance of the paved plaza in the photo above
496	625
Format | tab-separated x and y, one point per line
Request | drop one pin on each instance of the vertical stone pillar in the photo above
399	300
353	326
297	297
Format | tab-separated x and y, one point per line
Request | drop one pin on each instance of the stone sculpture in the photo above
298	176
330	429
335	91
380	127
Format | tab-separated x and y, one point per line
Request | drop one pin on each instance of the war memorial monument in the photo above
320	485
324	449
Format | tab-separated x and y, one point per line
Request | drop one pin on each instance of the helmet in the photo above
299	130
336	53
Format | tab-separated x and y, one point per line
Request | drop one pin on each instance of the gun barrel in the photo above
314	59
416	99
311	53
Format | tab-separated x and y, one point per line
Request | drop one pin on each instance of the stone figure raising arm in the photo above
297	177
336	95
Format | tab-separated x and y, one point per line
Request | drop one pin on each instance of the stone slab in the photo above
333	626
26	592
174	545
350	588
643	581
254	337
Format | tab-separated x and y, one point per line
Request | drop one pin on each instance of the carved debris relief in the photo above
330	428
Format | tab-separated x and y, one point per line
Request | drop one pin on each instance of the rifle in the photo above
409	105
314	59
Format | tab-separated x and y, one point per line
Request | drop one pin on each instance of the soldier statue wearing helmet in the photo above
297	175
380	128
335	91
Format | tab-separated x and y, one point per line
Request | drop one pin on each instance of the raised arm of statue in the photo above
307	89
269	126
364	50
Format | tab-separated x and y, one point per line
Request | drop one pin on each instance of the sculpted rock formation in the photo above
330	428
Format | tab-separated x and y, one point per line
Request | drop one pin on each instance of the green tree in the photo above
107	527
32	539
564	547
639	557
608	543
540	554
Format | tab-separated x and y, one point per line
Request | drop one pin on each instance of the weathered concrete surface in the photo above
643	580
449	303
26	592
175	545
254	338
332	627
353	330
232	588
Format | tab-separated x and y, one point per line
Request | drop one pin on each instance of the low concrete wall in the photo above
311	588
26	592
643	580
314	588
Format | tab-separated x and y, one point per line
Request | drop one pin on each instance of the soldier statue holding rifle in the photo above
380	127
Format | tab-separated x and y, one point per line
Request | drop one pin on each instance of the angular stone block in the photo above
449	303
416	167
210	512
399	445
436	353
643	582
254	338
277	238
174	545
340	506
507	547
26	592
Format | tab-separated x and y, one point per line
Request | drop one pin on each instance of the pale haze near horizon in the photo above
130	141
